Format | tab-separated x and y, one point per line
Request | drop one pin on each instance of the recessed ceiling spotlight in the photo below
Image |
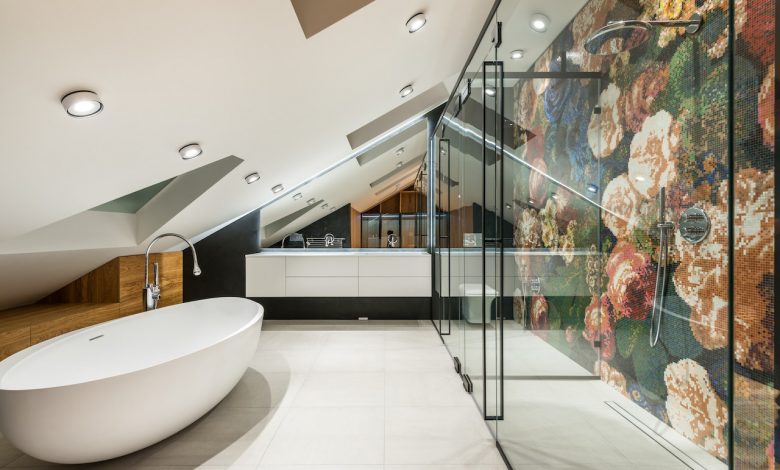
416	22
539	22
490	91
297	196
400	152
310	201
508	206
252	177
190	151
593	188
81	103
332	209
278	188
517	54
324	206
399	164
406	91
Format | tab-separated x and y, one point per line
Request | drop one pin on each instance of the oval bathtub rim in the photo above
17	358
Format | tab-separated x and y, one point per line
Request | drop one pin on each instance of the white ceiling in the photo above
238	77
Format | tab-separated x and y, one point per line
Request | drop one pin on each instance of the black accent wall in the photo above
351	308
336	222
221	256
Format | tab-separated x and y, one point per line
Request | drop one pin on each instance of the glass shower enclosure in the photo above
583	241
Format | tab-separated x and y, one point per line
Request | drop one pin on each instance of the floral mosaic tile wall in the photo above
661	120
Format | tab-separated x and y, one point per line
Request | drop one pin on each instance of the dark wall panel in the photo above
336	222
221	256
338	308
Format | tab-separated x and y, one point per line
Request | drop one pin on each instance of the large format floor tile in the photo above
330	395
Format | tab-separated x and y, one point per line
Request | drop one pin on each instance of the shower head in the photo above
618	36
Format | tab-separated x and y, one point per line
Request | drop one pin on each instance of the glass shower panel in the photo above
494	225
617	350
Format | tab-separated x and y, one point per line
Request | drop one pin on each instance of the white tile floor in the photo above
328	396
567	424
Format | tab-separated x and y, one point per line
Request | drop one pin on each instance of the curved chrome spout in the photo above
151	292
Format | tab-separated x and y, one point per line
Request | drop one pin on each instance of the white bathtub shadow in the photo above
234	433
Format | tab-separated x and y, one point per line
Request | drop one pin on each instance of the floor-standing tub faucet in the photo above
151	292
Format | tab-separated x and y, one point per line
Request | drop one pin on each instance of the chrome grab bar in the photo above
660	273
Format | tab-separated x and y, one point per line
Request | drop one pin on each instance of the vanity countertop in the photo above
340	252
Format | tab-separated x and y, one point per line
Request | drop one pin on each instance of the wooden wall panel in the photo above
13	341
72	317
354	228
131	274
391	205
109	292
100	285
409	202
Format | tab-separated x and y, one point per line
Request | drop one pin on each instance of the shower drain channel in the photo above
653	434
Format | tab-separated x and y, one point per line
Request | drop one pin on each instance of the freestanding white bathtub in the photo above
114	388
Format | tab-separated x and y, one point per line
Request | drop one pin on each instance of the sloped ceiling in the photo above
238	77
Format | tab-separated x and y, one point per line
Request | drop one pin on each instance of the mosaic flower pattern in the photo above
694	409
653	161
538	181
636	104
620	207
701	280
754	240
600	326
631	278
766	108
613	377
663	123
605	130
525	111
528	233
539	315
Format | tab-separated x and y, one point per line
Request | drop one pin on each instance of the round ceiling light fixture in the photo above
190	151
81	103
539	22
325	206
400	152
517	54
297	196
277	189
406	91
399	164
310	202
252	177
490	91
416	22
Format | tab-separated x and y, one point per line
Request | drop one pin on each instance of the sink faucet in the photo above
151	292
294	237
